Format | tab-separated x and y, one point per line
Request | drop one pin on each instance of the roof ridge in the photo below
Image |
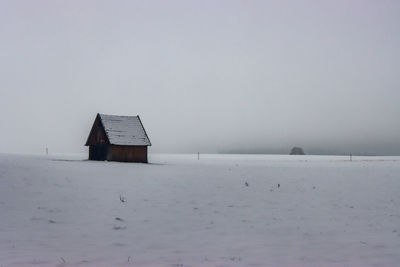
112	115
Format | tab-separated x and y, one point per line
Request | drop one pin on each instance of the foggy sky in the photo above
208	76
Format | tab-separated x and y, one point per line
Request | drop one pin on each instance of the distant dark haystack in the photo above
297	151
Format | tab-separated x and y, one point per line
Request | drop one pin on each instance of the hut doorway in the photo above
98	152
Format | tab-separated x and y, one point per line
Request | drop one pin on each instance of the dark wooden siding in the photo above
97	135
129	153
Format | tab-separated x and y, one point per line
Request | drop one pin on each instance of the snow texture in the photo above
180	211
125	130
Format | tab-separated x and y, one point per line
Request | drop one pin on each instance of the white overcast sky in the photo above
206	76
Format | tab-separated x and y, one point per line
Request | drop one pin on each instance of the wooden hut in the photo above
118	138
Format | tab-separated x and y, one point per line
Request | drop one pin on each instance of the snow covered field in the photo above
180	211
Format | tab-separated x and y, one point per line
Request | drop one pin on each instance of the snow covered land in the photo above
180	211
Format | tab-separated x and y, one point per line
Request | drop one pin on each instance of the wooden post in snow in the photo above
47	150
351	157
198	155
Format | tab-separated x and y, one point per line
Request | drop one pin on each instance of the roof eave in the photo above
145	133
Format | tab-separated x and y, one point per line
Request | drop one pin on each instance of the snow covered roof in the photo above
124	130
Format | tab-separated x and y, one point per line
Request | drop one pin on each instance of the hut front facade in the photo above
118	138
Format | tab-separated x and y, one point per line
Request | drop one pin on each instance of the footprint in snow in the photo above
122	199
119	227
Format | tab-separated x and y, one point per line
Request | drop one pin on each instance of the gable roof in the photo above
124	130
